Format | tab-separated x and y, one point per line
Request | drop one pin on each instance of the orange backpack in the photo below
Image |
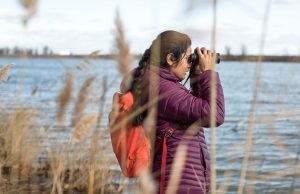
130	143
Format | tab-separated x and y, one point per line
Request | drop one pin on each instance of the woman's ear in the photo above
170	59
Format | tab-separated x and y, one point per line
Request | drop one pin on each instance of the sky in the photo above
82	27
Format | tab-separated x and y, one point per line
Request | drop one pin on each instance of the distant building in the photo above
16	50
45	50
4	51
243	50
227	50
36	52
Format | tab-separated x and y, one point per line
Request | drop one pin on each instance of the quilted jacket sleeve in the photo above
184	107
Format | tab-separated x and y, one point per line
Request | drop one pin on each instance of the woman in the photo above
167	62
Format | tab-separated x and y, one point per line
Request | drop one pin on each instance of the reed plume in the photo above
124	58
93	54
4	72
82	100
16	131
31	8
83	66
65	97
83	127
21	144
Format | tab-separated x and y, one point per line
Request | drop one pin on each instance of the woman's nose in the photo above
189	65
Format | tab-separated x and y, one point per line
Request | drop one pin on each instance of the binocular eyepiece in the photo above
194	59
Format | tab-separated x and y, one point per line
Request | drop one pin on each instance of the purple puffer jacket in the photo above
179	110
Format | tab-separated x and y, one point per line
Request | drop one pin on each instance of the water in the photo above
37	82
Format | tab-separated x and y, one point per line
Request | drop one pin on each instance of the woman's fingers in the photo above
203	51
209	53
205	59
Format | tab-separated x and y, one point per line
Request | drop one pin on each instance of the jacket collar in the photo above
165	73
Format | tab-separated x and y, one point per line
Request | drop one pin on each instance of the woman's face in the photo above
183	67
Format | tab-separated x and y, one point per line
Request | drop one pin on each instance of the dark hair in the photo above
166	42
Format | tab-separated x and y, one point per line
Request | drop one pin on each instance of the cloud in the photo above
64	24
196	33
286	2
9	14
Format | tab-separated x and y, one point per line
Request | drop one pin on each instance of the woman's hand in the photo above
206	60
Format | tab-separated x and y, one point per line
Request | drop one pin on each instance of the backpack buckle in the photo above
169	132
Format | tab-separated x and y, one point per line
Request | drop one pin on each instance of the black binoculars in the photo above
194	58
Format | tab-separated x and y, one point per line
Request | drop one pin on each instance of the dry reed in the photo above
87	167
83	128
64	97
84	65
35	90
16	133
83	167
249	142
177	168
31	8
124	58
4	72
147	184
114	111
123	63
82	101
225	184
21	142
213	104
57	164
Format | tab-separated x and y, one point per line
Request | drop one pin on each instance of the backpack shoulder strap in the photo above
168	134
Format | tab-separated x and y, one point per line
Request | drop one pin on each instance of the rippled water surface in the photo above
276	130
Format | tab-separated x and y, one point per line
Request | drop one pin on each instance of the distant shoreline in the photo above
245	58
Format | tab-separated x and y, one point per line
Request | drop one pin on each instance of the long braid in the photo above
137	85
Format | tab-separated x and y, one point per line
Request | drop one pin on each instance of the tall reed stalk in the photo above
249	142
213	104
